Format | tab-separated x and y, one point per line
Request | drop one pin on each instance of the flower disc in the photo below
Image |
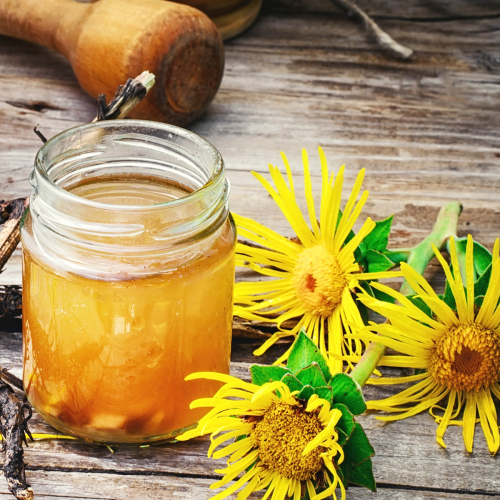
282	435
466	357
319	280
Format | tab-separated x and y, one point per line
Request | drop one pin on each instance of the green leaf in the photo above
292	382
360	254
348	392
344	470
311	375
363	312
23	218
365	285
341	477
378	262
346	422
304	352
325	393
263	374
358	448
383	296
482	256
306	392
362	475
419	371
342	436
478	301
421	304
481	285
379	236
448	297
396	256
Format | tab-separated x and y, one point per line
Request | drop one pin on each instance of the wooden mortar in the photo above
109	41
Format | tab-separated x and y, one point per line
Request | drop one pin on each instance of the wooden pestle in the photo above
109	41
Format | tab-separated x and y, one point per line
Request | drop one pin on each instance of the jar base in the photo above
168	437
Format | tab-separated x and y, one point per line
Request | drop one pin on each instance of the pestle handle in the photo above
109	41
47	22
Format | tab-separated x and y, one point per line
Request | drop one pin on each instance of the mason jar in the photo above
128	275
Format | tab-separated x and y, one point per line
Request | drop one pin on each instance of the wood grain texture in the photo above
426	131
81	485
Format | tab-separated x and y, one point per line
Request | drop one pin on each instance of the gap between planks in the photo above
56	484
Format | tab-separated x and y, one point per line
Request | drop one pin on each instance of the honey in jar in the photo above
127	280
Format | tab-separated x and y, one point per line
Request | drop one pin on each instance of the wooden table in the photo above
427	131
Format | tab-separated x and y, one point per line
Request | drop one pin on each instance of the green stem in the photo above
420	256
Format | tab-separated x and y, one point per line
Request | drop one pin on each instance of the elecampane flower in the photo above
314	276
459	351
277	442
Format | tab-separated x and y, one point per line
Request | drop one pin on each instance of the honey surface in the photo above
106	359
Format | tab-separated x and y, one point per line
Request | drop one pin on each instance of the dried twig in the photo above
248	330
14	427
11	379
39	134
11	212
382	37
11	301
245	329
126	97
13	422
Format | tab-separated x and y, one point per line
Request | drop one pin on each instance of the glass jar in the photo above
128	274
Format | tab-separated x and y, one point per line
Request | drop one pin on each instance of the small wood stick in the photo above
11	234
11	379
126	97
13	425
382	37
11	301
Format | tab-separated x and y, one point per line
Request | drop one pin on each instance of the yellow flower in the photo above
278	443
459	351
314	276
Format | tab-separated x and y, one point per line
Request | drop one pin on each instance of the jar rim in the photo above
215	178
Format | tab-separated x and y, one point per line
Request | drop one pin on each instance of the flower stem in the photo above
420	256
445	227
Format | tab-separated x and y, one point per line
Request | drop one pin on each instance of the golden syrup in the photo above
105	359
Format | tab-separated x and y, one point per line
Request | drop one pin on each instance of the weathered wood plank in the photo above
78	485
411	9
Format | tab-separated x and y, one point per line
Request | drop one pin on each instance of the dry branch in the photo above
14	427
384	39
11	379
11	301
126	97
11	212
262	330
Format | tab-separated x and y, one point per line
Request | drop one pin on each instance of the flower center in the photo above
319	280
466	357
281	436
